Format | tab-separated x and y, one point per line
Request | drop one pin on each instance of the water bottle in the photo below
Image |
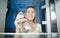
26	26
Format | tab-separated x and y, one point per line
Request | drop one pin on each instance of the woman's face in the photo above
30	14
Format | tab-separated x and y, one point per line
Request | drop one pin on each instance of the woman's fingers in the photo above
18	21
19	16
23	20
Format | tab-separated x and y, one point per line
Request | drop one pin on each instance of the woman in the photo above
31	19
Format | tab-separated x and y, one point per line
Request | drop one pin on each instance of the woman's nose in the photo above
30	12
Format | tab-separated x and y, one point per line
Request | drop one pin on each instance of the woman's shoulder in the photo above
39	27
38	24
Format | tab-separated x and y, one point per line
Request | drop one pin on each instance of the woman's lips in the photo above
30	16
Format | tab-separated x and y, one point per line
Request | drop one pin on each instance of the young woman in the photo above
31	19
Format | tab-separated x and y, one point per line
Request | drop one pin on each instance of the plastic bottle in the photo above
26	26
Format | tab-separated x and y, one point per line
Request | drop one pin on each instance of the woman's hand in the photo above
18	22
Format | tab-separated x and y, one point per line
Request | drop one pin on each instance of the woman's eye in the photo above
28	12
33	12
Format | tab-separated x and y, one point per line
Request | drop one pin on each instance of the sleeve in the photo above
40	28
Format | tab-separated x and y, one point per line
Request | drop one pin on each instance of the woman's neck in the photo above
33	26
31	23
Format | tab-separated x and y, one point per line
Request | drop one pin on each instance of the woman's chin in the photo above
30	19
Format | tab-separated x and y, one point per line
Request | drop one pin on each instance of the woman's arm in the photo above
19	22
17	31
18	26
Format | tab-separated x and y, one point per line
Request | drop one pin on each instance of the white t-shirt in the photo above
37	30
